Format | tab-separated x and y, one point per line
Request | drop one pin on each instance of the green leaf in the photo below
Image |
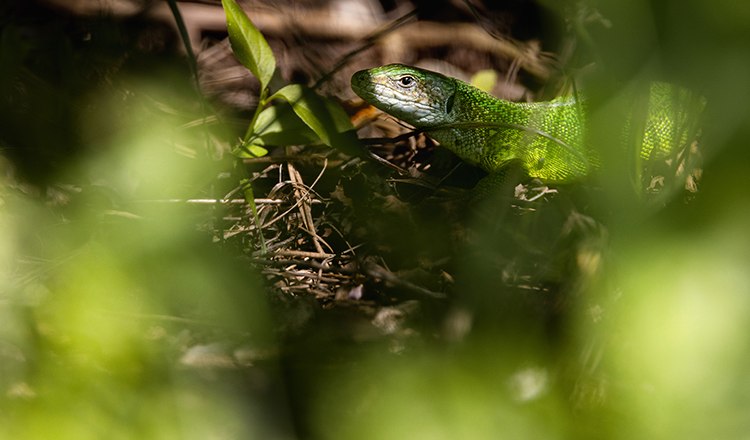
325	117
249	151
248	44
279	125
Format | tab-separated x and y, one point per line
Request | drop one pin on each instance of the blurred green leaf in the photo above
325	117
248	44
484	80
247	191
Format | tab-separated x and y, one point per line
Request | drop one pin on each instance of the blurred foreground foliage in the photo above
103	301
120	317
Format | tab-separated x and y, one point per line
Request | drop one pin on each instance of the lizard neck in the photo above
546	137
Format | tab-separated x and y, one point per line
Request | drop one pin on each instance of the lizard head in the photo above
419	97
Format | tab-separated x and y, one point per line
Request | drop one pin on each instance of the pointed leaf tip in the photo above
248	44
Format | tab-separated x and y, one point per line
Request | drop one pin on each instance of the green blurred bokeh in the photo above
111	293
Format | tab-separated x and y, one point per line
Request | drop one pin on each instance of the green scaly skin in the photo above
546	138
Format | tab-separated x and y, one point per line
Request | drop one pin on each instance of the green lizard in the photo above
546	138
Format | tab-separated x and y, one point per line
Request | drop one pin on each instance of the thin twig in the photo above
260	201
369	41
304	207
379	272
303	254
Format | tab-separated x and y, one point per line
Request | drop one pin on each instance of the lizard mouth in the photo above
362	84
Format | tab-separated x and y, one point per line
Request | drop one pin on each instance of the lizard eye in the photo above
407	81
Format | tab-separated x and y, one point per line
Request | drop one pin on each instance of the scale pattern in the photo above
546	138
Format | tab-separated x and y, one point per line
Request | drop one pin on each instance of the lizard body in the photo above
547	138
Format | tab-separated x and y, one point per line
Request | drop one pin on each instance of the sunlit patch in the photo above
528	383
